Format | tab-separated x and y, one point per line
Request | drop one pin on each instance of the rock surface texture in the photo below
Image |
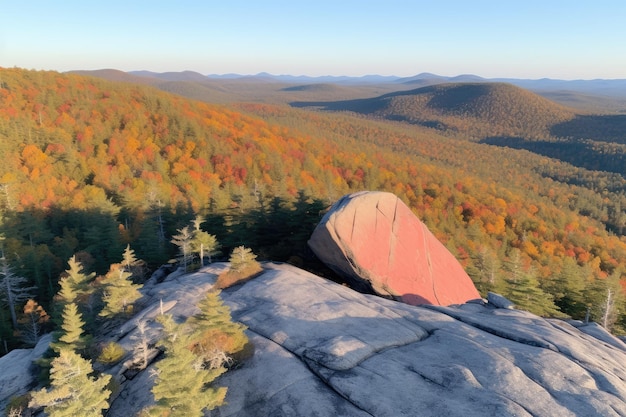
322	349
325	350
17	373
376	242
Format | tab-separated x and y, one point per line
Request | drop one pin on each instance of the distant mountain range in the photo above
607	87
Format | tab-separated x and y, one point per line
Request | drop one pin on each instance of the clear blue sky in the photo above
522	39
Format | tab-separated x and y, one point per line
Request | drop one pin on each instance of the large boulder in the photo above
374	241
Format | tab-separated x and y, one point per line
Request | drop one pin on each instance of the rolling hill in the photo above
597	96
477	110
502	115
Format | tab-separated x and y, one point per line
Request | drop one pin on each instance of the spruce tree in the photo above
483	269
75	285
216	337
119	293
67	293
182	386
606	298
128	258
242	259
183	241
72	334
522	288
130	263
567	288
203	243
73	390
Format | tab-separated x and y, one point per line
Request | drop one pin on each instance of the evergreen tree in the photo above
567	288
203	243
183	240
75	285
243	266
73	391
242	259
182	386
151	243
119	293
522	288
71	335
76	288
607	299
484	269
129	259
67	293
216	336
130	263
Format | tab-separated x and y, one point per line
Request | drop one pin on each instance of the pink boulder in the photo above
374	238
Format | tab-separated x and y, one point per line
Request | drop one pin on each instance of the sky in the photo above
492	39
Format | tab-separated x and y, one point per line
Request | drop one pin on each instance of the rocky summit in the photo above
376	243
323	349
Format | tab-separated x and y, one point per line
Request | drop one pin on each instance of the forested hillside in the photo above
503	115
477	110
90	166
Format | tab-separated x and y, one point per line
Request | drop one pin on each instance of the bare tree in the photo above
141	348
608	309
33	322
13	289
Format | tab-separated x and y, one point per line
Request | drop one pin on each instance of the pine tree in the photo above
567	288
131	264
243	266
73	391
182	384
216	336
13	289
128	258
242	259
151	243
483	269
203	243
522	288
183	241
119	293
75	285
71	335
67	293
607	299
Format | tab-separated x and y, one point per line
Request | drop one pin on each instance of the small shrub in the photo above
111	353
230	278
17	405
243	266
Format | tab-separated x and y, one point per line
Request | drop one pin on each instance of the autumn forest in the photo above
528	194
